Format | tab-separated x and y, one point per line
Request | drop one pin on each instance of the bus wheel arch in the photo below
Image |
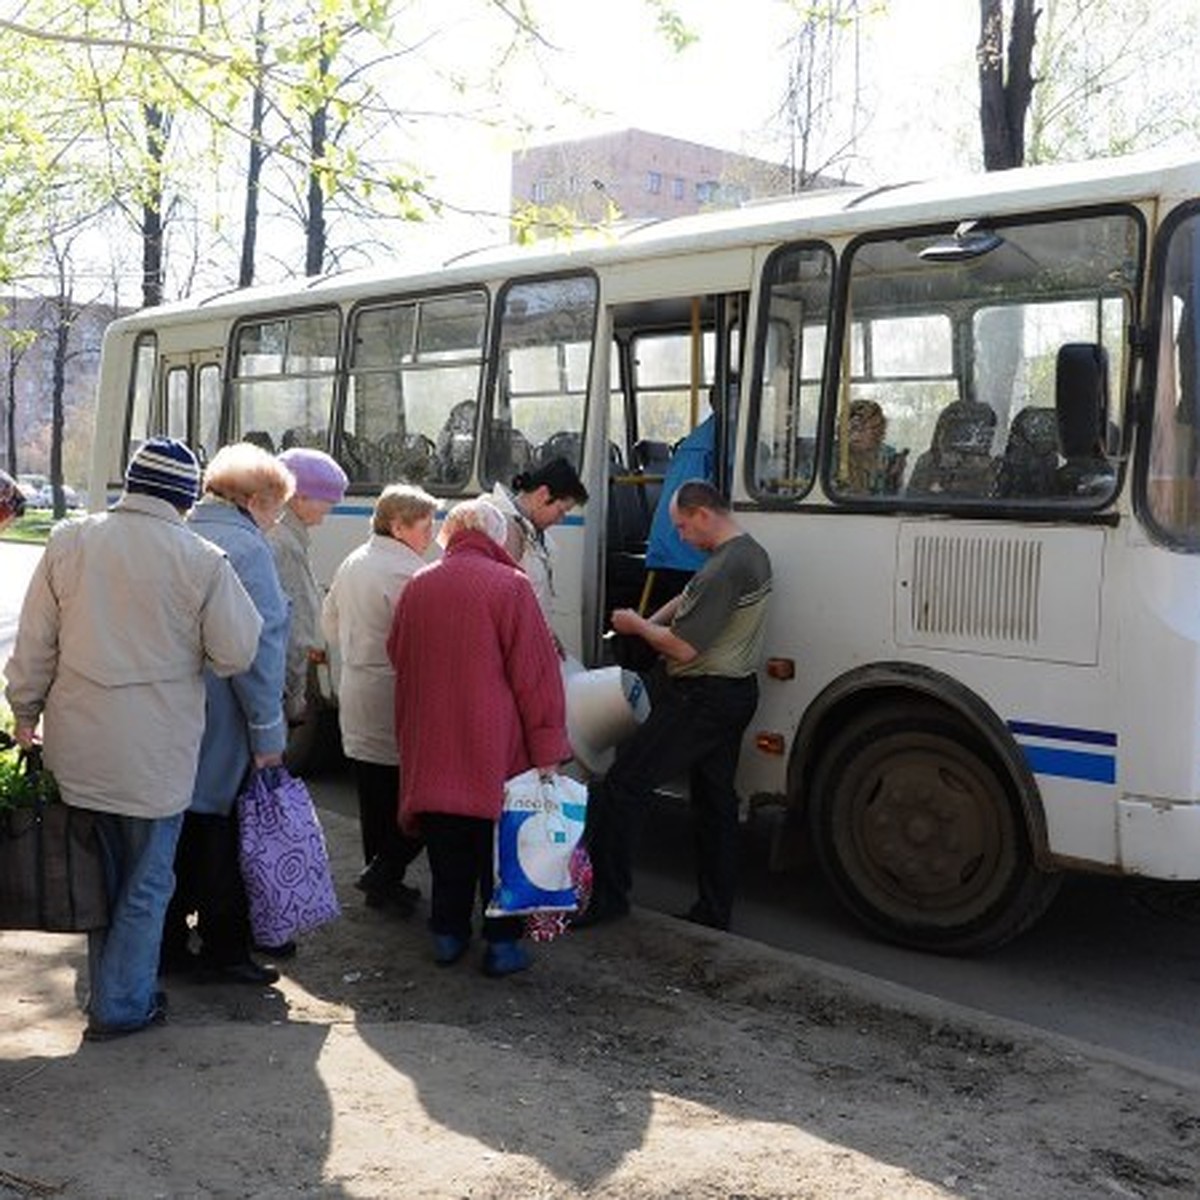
921	810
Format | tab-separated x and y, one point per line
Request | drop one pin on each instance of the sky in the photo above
723	89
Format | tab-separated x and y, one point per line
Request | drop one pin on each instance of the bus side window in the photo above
282	376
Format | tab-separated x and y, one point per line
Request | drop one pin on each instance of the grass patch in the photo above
33	527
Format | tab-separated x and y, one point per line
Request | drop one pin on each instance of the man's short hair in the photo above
699	493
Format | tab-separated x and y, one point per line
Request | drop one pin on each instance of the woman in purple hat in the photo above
320	484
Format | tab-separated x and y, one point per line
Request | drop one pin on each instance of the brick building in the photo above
640	174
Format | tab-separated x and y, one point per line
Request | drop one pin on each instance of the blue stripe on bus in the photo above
1063	733
1071	764
365	510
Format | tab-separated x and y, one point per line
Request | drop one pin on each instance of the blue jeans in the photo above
139	857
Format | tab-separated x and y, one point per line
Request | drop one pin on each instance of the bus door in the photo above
190	400
675	371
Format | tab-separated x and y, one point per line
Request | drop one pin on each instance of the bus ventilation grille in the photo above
975	587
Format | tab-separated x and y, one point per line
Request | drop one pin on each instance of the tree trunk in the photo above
157	125
62	337
257	155
315	234
10	410
1004	95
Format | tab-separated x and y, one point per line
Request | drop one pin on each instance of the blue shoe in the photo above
448	949
506	958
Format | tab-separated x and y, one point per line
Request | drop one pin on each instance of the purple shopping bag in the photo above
285	865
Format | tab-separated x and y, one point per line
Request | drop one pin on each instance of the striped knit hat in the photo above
167	469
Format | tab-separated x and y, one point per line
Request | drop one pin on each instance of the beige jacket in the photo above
123	613
357	618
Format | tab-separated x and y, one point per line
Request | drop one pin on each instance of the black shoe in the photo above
278	953
698	915
600	911
107	1033
248	972
393	895
373	875
382	876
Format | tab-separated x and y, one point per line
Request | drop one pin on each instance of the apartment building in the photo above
637	174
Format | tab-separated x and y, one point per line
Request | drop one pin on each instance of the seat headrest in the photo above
965	427
1035	429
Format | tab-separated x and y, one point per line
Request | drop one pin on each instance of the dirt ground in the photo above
642	1059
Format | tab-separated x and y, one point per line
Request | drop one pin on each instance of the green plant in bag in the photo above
23	783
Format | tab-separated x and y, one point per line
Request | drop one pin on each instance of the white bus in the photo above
984	660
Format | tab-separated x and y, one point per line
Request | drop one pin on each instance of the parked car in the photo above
39	492
32	487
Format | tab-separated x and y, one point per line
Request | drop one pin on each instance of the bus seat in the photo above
1081	407
650	458
631	499
959	460
456	443
406	458
628	514
1030	462
567	443
302	435
509	452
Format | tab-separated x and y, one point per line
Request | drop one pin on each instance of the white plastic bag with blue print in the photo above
539	827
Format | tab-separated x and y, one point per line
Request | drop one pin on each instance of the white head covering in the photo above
480	514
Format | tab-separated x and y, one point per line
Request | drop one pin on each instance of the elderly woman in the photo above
479	699
320	484
356	618
245	489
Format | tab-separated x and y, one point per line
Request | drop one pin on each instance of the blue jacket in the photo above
244	713
693	459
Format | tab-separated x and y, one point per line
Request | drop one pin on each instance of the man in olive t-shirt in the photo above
710	640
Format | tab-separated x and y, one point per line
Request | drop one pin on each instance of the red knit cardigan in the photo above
479	694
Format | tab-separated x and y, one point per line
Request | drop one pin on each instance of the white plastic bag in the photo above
538	830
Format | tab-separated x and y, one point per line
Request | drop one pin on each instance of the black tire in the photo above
920	834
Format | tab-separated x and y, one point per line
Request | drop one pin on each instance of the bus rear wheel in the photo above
919	832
